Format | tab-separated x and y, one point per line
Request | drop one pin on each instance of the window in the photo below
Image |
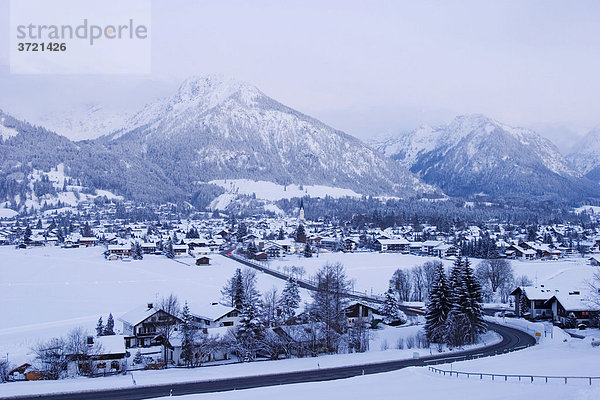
115	365
101	365
228	323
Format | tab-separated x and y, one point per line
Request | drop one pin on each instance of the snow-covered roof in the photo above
210	311
111	344
575	302
393	241
138	314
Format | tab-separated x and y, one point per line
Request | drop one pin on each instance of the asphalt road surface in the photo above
512	339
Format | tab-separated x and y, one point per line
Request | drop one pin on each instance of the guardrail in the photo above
531	378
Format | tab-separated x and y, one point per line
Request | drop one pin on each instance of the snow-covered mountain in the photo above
477	155
210	129
84	121
217	128
586	156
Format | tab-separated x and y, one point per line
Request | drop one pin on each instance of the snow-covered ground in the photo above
232	370
553	357
272	191
372	271
47	291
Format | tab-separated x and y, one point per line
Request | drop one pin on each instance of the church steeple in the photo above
301	214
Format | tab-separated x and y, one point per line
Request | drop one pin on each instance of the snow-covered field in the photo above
232	370
552	357
372	271
46	291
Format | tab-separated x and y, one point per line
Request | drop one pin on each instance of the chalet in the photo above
215	315
429	245
445	251
24	372
303	339
350	244
532	301
88	241
148	248
359	310
261	256
573	309
203	261
116	251
274	250
329	243
180	250
392	245
143	325
107	354
516	251
214	353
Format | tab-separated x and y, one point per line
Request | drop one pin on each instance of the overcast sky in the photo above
367	67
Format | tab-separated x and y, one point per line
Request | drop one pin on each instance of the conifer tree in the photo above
188	336
300	234
109	329
100	327
168	249
473	307
390	309
307	251
438	307
290	299
250	330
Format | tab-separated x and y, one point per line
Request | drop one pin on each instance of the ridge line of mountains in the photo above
214	128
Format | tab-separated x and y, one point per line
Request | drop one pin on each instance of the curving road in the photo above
512	339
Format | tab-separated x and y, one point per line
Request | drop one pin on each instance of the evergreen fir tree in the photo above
281	234
168	249
188	339
300	234
238	290
307	251
109	329
250	330
473	307
390	309
100	327
438	307
290	299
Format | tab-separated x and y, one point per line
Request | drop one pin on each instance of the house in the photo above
274	250
392	245
143	326
573	309
88	241
594	261
107	355
516	251
215	315
203	261
24	372
202	354
261	256
532	301
445	251
303	339
117	251
429	245
359	310
148	248
350	244
180	250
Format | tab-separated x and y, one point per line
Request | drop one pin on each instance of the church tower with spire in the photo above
301	214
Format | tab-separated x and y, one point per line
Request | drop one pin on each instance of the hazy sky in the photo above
366	67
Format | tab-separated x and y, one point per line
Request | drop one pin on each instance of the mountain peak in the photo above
211	90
